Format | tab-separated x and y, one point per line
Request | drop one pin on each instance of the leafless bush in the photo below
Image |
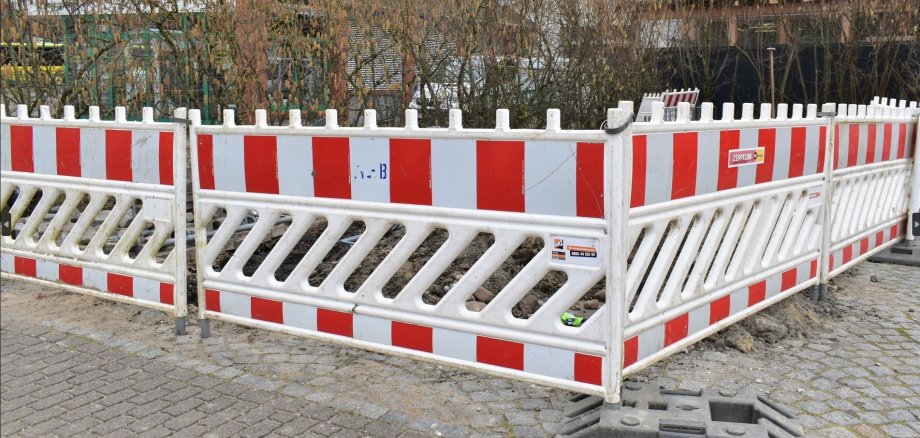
476	55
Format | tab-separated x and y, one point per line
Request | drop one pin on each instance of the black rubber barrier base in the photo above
902	253
646	411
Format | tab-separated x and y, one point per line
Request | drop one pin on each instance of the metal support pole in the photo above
819	291
618	179
201	237
914	213
772	50
180	147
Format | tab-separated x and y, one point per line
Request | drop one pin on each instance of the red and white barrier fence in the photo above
535	189
561	257
714	220
93	206
874	164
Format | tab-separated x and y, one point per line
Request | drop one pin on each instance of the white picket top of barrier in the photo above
93	202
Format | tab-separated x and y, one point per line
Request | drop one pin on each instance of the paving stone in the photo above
899	431
326	429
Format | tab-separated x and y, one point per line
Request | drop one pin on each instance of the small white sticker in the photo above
574	251
157	209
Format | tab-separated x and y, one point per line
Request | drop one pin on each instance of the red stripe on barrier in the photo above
118	155
167	293
589	179
260	159
870	147
72	275
728	176
719	309
790	279
67	149
166	158
853	145
831	262
814	269
683	182
640	161
847	254
337	323
676	329
500	175
797	152
501	353
21	155
206	162
24	266
331	173
212	300
410	171
630	351
902	139
822	144
120	284
893	233
588	369
757	292
879	238
836	163
415	337
886	142
864	246
766	138
266	310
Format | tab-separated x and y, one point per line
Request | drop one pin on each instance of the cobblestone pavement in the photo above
73	364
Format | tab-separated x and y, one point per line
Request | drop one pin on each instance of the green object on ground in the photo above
572	320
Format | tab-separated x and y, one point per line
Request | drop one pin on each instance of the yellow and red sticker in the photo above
744	157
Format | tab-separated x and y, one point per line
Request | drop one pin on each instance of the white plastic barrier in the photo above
724	222
871	180
93	206
543	189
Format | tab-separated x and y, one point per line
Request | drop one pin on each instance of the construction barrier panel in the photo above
873	164
469	202
725	221
94	206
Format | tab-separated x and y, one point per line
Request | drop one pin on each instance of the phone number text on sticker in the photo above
575	251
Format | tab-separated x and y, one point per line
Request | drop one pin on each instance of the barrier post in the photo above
913	214
618	159
819	291
180	148
200	228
